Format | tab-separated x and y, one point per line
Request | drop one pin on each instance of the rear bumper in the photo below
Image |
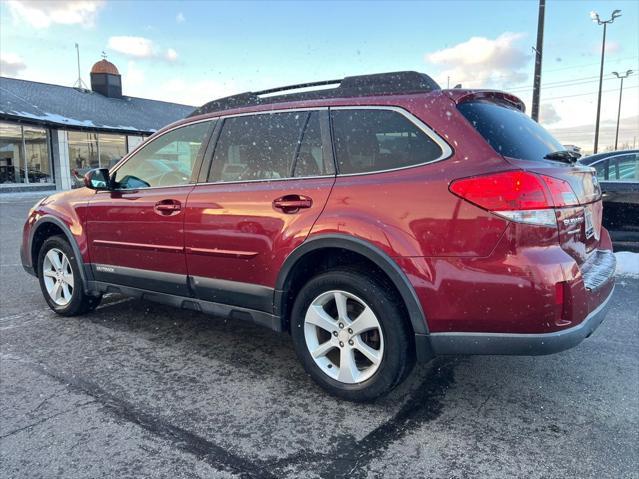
519	344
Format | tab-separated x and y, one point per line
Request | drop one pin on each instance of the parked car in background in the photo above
378	222
618	175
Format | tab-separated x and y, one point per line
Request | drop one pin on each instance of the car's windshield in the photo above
509	131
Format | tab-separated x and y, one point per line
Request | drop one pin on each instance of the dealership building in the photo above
51	134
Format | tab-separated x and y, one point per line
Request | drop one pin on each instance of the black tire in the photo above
398	357
80	302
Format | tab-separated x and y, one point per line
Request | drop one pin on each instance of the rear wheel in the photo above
351	336
60	280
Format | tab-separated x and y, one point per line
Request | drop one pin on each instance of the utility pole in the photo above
595	18
621	77
538	57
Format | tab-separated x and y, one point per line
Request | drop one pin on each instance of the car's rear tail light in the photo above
517	195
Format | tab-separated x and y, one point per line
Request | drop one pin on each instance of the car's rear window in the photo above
509	131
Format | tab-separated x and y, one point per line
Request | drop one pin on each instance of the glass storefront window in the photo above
24	154
83	151
36	148
11	157
112	148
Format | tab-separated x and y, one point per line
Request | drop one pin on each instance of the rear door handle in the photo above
292	203
167	207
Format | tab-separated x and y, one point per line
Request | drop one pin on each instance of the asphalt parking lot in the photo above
137	389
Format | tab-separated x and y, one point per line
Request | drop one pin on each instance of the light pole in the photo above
595	18
538	58
621	77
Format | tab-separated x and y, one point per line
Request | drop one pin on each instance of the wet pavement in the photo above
136	389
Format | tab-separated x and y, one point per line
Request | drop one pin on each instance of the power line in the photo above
635	57
585	94
566	84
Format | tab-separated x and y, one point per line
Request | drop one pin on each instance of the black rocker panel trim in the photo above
247	295
208	307
232	293
159	281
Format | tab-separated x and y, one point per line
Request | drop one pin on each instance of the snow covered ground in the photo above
627	264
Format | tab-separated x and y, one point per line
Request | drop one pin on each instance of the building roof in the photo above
61	106
104	66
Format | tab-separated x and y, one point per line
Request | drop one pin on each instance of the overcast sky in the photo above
191	52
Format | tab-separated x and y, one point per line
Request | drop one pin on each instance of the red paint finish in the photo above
127	229
233	231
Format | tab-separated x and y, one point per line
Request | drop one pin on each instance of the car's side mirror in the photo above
98	179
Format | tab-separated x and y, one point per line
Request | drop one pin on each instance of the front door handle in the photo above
292	203
167	207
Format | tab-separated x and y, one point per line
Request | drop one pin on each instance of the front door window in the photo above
165	161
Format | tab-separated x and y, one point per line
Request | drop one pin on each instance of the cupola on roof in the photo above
105	66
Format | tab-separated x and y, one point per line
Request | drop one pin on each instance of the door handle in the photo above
292	203
167	207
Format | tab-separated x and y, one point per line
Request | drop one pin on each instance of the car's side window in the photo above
602	170
310	159
625	168
268	146
167	160
368	140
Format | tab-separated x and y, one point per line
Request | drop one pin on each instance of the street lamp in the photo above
621	77
595	18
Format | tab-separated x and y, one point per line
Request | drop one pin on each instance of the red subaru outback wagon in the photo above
380	221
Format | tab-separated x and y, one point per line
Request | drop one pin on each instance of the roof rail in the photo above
354	86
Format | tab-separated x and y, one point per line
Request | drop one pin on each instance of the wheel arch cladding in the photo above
356	247
49	226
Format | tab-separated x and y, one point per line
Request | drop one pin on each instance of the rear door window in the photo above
625	168
269	146
509	131
369	140
602	170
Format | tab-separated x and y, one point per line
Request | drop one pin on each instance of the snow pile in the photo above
627	264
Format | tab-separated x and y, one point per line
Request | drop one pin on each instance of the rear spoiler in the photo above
463	96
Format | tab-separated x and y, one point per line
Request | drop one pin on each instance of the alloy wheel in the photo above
58	276
344	336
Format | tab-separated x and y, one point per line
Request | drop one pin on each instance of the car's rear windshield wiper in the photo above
567	156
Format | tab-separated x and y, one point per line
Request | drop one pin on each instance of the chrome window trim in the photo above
266	180
447	151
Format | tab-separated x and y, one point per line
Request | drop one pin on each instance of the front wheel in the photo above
351	335
60	279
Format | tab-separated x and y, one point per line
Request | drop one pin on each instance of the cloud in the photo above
11	64
140	48
180	18
611	47
480	61
180	90
43	13
171	55
137	47
134	76
582	135
548	115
